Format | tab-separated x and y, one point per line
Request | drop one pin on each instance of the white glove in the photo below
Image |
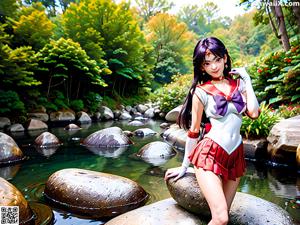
252	103
179	172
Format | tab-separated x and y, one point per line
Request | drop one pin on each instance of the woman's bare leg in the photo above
229	188
212	188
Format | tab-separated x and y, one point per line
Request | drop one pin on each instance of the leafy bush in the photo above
77	105
10	104
92	101
287	111
261	126
173	94
277	76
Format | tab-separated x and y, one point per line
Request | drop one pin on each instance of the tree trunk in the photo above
296	10
281	25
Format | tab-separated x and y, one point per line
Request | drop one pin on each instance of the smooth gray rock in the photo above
83	117
175	136
164	125
17	127
4	121
284	136
47	139
72	126
141	108
173	114
93	194
34	124
39	116
245	209
165	212
9	150
106	113
142	132
125	116
108	137
66	115
156	153
136	123
149	113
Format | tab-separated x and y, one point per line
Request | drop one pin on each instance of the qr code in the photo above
9	215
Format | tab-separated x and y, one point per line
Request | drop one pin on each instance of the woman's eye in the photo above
218	59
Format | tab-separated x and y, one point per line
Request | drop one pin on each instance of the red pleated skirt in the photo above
208	155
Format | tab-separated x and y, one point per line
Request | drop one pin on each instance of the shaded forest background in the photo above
78	54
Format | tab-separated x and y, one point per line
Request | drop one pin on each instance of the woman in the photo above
218	158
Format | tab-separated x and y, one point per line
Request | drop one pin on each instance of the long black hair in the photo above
218	49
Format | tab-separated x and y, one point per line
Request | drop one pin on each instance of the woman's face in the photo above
214	65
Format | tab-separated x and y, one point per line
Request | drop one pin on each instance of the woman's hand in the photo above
242	73
177	172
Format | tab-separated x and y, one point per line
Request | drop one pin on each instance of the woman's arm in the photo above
252	103
191	142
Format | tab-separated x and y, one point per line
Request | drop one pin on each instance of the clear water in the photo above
280	185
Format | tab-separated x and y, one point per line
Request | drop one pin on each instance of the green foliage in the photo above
59	100
50	107
16	65
173	94
10	104
77	105
261	126
277	76
32	26
8	7
173	45
287	111
69	68
92	101
110	34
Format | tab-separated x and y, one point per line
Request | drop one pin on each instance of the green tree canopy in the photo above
173	45
32	26
110	34
69	68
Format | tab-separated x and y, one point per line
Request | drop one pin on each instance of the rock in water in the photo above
165	212
246	209
9	150
108	137
93	194
11	196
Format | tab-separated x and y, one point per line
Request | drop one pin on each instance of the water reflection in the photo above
280	186
9	172
107	152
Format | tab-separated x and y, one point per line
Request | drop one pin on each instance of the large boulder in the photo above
284	136
93	194
11	196
34	124
165	212
245	209
39	116
66	115
106	113
173	114
156	153
83	117
125	115
9	150
46	139
175	136
108	137
141	108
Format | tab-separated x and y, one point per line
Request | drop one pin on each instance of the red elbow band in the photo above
191	134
